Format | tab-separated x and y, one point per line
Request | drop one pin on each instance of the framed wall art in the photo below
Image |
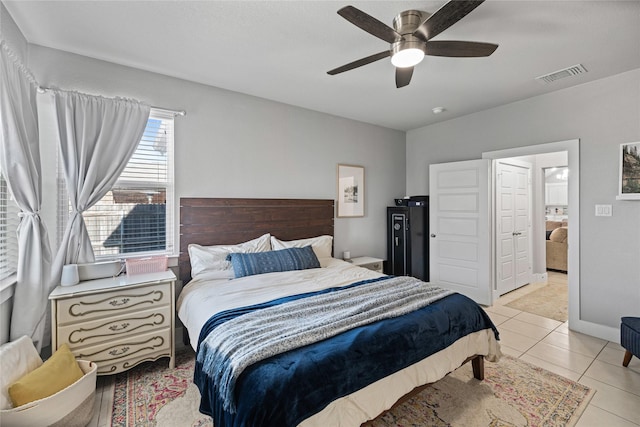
629	188
350	195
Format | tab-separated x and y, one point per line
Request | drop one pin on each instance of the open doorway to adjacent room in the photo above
546	291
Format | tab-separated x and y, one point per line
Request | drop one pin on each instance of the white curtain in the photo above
20	157
98	136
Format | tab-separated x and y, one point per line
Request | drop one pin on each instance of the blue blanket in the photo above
287	388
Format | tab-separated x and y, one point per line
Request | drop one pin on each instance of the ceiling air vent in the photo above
574	70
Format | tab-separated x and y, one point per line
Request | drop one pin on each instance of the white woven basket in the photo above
70	407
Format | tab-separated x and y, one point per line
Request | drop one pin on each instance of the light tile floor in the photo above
540	341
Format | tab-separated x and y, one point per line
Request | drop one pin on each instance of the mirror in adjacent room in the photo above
556	194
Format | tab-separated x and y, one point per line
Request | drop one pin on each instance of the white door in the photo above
513	222
460	239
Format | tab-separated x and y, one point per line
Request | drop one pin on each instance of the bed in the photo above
349	375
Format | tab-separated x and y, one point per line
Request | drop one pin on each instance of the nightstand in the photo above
370	263
116	322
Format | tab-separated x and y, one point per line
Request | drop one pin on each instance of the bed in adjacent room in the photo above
287	335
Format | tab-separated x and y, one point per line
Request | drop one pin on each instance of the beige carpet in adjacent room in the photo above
514	393
550	301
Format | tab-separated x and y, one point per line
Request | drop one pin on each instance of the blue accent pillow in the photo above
248	264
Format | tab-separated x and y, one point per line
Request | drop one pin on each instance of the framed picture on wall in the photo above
629	171
350	191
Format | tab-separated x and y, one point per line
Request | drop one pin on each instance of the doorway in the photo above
571	150
543	291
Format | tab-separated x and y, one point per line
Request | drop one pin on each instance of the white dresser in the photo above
117	322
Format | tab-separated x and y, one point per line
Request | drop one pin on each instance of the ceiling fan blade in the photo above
445	17
403	76
360	62
459	49
370	24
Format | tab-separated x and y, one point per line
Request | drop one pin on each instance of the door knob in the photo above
433	235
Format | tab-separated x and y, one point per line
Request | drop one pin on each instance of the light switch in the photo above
603	210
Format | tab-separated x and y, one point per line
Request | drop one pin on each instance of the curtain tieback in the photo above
22	214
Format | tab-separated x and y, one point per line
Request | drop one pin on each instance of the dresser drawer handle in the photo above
116	328
115	352
115	302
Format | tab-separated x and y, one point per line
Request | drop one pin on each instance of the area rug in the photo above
141	393
514	393
550	301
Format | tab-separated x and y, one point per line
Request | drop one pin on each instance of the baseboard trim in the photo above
603	332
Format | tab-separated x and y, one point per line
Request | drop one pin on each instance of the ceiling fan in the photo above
411	35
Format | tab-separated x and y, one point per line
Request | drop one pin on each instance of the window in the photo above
136	216
8	225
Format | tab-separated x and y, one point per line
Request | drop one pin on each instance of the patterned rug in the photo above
142	392
514	393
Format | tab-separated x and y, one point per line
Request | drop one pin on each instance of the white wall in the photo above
234	145
10	32
602	114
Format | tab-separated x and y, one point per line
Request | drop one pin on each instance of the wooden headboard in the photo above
217	221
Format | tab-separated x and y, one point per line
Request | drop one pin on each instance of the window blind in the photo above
8	236
136	216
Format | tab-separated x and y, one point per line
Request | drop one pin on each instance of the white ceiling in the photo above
281	50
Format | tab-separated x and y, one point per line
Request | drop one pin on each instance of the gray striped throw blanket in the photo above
236	344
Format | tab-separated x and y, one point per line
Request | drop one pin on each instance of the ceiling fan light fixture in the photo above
407	52
407	57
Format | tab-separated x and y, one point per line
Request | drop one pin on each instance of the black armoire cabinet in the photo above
408	241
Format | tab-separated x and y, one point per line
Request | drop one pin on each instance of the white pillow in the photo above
321	245
18	358
207	259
